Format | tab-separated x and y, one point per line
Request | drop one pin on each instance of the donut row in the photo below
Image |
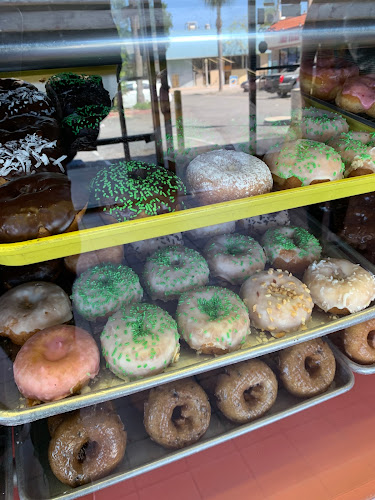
88	444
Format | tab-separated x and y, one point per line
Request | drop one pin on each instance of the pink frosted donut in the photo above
358	95
55	363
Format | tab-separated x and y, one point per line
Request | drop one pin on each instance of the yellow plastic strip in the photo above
53	247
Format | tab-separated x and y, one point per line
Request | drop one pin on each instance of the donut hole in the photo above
177	415
176	262
88	451
251	395
234	250
312	366
371	339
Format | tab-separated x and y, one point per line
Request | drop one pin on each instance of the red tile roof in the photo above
288	24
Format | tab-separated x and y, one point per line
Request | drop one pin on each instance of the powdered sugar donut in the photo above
212	320
304	162
277	301
211	231
30	307
140	340
142	249
340	287
224	175
320	125
258	225
234	257
103	289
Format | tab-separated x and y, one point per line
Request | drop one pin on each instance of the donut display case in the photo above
186	247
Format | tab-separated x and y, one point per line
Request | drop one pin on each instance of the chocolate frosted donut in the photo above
87	445
307	369
177	414
135	189
18	127
23	100
43	271
35	206
246	391
7	84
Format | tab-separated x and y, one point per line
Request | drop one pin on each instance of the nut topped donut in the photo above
30	307
225	175
173	270
277	301
304	162
177	414
340	287
212	320
291	249
35	206
234	257
140	340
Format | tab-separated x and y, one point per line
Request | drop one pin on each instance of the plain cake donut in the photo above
338	286
307	369
225	175
358	342
246	391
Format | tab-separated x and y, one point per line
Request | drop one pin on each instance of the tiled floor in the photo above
324	453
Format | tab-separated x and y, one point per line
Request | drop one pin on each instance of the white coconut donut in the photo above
234	257
225	175
144	248
304	162
211	231
140	340
30	307
213	320
258	225
277	301
173	270
320	125
340	287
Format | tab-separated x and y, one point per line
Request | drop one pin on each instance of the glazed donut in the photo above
30	307
339	287
358	95
212	320
258	225
324	80
211	231
307	369
277	301
246	391
352	144
82	262
134	189
177	414
304	162
225	175
55	363
173	270
358	342
35	206
291	249
321	125
103	289
144	248
49	270
234	257
140	340
87	445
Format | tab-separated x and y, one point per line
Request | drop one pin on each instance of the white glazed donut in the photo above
304	162
277	301
352	144
225	175
173	270
320	125
258	225
144	248
362	164
211	231
340	287
213	320
234	257
140	340
30	307
103	289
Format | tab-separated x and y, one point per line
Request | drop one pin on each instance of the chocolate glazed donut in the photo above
177	414
307	369
87	445
246	391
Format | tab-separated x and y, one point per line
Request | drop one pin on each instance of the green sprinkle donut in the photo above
68	79
135	189
213	320
87	117
291	248
173	270
103	289
140	340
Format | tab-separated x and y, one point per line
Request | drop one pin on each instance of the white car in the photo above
129	92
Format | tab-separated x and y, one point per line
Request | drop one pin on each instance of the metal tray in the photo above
355	367
36	481
6	464
14	409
